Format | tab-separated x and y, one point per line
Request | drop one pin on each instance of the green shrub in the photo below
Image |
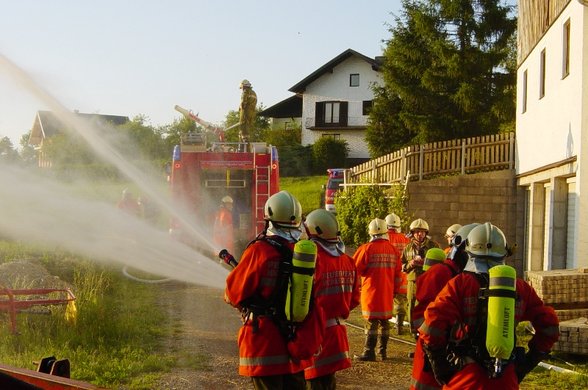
329	153
358	205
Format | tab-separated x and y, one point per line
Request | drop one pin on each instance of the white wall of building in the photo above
335	86
550	129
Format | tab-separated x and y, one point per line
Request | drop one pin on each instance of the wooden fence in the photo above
454	157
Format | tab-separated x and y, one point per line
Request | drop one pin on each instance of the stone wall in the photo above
482	197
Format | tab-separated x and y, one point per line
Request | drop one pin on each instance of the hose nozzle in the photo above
227	258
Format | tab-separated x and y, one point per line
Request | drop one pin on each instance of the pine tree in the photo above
445	74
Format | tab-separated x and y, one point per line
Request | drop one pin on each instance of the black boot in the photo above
369	354
399	324
383	346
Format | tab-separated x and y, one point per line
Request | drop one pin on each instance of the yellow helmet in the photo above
283	209
377	226
432	257
245	84
322	224
419	223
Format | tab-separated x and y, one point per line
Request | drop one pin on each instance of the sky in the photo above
130	57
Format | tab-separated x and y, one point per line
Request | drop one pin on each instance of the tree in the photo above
8	155
458	83
27	153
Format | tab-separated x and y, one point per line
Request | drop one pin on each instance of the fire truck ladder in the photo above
262	190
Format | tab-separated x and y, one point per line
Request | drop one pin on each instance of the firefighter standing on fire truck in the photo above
378	263
413	258
399	241
337	293
273	359
247	111
465	301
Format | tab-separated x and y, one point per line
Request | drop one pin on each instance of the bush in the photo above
329	153
358	205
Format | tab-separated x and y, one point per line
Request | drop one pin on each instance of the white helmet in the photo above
377	226
487	240
451	230
283	210
245	84
393	221
227	199
322	224
419	223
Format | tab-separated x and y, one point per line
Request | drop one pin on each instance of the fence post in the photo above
373	171
463	152
402	164
421	160
511	145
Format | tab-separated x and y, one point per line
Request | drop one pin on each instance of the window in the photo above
354	80
524	102
566	49
542	74
331	114
333	136
366	107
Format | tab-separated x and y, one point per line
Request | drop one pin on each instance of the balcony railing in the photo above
352	121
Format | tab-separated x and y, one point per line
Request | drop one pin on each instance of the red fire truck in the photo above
203	172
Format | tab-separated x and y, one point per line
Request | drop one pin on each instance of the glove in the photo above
417	261
529	362
443	370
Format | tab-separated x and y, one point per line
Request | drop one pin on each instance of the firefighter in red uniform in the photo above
449	234
268	353
378	264
463	306
337	293
128	203
429	284
222	230
413	258
399	241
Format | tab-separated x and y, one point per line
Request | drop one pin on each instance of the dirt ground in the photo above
205	331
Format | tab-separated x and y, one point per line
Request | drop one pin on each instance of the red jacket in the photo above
399	241
378	264
429	284
265	351
337	293
458	301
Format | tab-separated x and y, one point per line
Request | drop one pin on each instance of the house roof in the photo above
46	124
328	68
288	108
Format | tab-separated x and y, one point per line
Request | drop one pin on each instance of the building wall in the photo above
482	197
550	128
550	145
335	86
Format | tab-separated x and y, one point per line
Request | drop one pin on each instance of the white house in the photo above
552	131
336	99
